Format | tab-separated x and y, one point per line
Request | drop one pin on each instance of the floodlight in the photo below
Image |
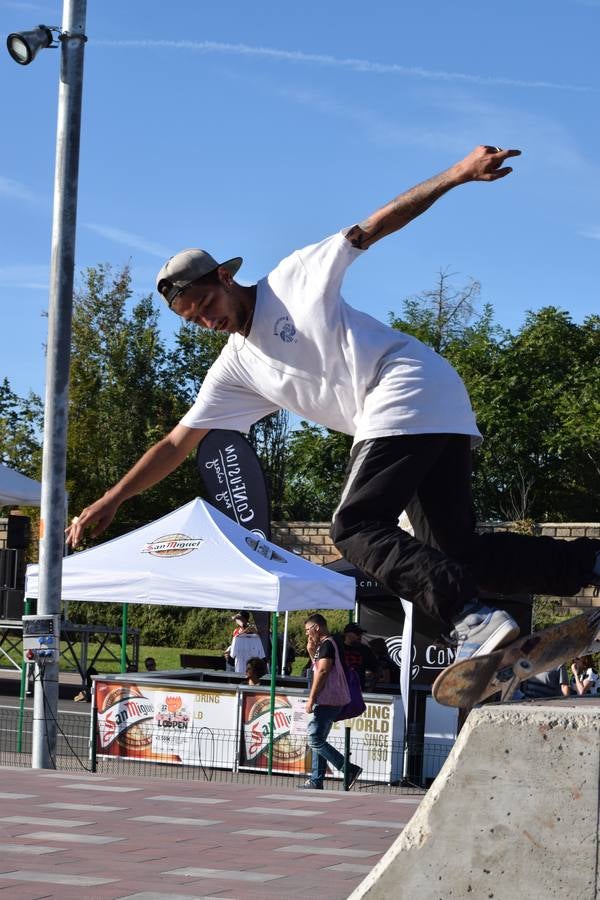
24	45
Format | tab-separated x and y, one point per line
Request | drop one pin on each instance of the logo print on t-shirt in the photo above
286	329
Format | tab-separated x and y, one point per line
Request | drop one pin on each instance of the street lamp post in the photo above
23	48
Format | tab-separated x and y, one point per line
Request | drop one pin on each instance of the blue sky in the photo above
252	129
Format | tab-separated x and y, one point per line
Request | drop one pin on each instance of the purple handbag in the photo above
356	705
335	691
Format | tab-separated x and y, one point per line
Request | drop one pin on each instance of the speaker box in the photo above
12	604
17	532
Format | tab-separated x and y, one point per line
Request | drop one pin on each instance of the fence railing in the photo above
205	754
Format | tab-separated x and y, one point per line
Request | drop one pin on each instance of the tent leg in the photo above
124	637
273	684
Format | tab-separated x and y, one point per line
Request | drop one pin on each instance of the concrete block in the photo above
513	812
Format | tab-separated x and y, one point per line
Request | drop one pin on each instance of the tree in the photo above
439	317
124	397
539	411
21	420
316	464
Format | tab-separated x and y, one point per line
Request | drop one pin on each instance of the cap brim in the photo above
232	265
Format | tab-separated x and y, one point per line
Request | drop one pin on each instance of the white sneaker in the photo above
480	629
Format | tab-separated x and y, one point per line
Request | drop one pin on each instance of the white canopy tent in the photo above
196	556
17	489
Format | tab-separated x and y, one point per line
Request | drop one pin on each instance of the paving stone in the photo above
115	788
374	823
230	874
56	878
72	837
350	868
84	807
6	795
297	835
327	851
174	820
154	895
28	849
299	797
168	798
274	811
33	820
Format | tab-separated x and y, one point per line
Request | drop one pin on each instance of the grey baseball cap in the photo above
186	267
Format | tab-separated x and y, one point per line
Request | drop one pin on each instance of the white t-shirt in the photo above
243	648
308	351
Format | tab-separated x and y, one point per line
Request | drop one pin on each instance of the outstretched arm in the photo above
156	463
482	164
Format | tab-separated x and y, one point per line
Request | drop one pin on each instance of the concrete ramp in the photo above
513	812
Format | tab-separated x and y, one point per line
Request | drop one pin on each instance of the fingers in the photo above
96	521
499	173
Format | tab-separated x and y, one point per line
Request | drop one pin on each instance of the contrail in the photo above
357	65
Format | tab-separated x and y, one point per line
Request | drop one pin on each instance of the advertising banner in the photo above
290	753
159	724
376	737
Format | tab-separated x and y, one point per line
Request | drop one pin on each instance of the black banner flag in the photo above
235	484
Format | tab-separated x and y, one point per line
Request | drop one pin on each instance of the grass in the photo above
109	661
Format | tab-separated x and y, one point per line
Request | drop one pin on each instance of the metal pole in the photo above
124	637
58	359
274	630
285	639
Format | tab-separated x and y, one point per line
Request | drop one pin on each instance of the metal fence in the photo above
203	754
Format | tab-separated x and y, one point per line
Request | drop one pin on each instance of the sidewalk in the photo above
133	838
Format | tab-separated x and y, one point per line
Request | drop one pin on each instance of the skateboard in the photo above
466	683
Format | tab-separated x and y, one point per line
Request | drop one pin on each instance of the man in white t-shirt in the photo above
295	343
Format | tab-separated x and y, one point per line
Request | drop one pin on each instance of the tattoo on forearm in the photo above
398	212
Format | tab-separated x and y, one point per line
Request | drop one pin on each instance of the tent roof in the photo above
17	489
196	556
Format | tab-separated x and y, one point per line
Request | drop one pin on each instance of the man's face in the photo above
350	637
212	305
311	629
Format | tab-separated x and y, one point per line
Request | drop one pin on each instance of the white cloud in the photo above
32	277
127	239
593	233
18	191
357	65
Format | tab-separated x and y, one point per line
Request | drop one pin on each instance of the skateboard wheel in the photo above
522	668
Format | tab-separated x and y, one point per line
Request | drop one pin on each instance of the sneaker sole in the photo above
503	634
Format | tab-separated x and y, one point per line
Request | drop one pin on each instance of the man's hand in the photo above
484	163
309	706
98	517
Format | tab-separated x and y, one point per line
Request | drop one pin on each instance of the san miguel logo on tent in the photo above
172	545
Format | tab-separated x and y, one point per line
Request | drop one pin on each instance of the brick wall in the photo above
311	540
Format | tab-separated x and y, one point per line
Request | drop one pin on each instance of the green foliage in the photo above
316	464
536	395
21	420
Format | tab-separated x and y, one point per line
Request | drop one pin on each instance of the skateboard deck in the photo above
466	683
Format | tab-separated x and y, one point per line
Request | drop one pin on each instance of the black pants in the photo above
446	564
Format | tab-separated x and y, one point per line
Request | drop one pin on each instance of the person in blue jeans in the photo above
323	652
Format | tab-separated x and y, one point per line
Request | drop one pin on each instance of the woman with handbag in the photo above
328	694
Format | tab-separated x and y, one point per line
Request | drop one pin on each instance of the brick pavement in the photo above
94	837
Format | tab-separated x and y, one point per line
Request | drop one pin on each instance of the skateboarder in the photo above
295	343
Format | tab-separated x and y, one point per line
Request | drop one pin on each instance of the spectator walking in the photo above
324	702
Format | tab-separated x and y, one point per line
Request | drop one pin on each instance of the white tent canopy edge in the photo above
197	557
17	489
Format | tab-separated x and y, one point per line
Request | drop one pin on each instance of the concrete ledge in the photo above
513	812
